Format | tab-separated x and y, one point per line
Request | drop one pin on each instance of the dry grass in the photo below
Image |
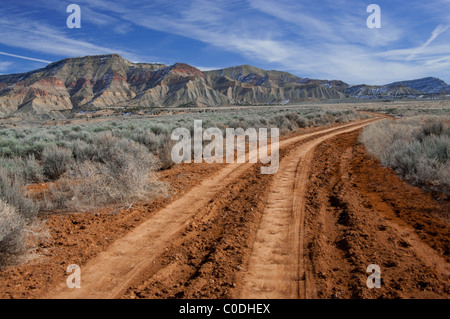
56	160
417	148
122	171
11	231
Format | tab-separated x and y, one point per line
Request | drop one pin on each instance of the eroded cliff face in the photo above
429	85
88	82
110	81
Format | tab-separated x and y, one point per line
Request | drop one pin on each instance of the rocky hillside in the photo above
250	85
428	85
109	81
373	92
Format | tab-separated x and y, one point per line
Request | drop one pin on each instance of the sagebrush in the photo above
417	148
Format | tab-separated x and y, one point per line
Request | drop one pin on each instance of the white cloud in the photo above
39	37
328	41
24	57
4	66
440	62
333	48
436	32
207	68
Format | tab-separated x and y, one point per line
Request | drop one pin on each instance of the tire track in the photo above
113	271
350	225
277	265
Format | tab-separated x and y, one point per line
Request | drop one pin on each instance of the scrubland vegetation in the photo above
87	165
112	162
417	148
408	108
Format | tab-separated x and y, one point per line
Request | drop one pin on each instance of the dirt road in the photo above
129	260
276	268
227	231
357	214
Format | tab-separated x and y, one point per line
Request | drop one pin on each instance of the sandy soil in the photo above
317	224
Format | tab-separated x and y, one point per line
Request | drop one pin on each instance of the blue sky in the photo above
317	39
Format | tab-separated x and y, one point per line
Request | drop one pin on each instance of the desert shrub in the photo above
433	128
417	148
236	124
164	154
152	141
279	121
15	210
13	192
55	161
33	172
287	125
159	129
27	168
325	119
120	171
347	116
82	151
301	122
11	231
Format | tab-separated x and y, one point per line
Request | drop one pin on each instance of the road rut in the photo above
113	271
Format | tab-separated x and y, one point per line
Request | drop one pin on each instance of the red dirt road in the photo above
276	268
358	214
309	231
114	270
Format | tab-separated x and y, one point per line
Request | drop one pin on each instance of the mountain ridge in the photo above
110	81
428	85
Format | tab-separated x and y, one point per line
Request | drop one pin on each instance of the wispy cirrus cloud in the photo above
39	37
330	40
299	37
26	30
213	23
4	66
436	32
